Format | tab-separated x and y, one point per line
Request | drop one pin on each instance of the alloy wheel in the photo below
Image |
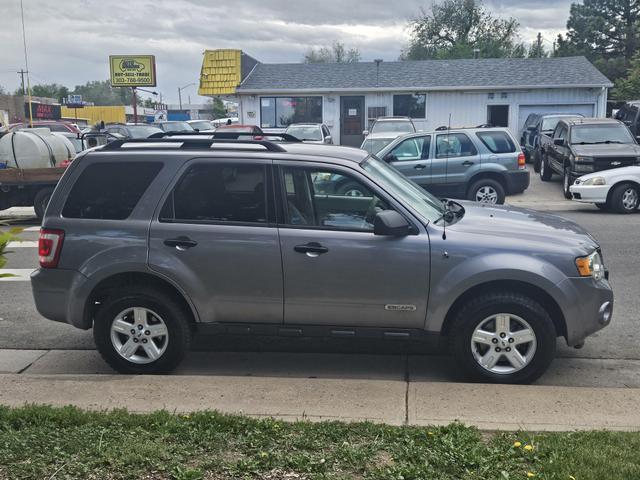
630	199
139	335
503	343
487	194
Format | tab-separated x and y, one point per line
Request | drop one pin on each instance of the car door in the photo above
412	157
336	271
455	154
557	152
215	237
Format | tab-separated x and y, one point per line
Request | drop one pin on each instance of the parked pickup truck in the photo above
535	126
586	145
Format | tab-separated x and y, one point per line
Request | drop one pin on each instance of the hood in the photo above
607	150
523	228
633	171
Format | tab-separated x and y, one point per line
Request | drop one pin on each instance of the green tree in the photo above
2	90
606	32
537	51
462	29
217	108
102	93
628	87
337	53
49	90
149	103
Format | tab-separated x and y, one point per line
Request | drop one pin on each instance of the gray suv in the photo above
479	164
151	241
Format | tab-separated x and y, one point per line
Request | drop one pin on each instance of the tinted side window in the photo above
218	193
329	199
497	142
109	191
454	145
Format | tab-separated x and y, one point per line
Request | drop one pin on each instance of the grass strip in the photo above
39	442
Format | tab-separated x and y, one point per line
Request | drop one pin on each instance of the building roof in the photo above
498	73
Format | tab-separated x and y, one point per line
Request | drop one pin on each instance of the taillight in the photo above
49	247
522	163
258	137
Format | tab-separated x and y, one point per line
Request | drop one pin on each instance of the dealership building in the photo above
348	97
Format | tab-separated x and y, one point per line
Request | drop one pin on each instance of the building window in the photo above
283	111
411	105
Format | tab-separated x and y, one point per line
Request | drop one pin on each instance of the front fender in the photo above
453	276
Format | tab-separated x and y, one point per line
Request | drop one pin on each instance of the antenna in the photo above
446	173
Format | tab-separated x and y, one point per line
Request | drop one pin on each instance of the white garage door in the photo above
525	110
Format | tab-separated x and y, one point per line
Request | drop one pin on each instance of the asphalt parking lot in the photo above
610	358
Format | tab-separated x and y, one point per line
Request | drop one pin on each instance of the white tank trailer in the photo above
34	148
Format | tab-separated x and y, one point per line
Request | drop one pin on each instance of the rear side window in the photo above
109	191
497	142
209	193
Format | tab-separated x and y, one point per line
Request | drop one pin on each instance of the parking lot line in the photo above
19	274
23	244
32	229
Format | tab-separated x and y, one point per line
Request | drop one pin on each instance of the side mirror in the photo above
328	139
196	129
391	223
365	132
558	141
390	157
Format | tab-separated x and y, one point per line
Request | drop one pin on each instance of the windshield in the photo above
600	134
142	131
551	122
425	204
176	127
305	132
399	126
375	145
202	125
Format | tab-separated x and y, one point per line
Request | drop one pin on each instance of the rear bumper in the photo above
590	193
52	289
588	307
516	181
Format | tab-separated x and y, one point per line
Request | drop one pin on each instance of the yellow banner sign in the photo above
133	70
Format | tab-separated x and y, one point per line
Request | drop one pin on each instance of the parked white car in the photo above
617	189
384	131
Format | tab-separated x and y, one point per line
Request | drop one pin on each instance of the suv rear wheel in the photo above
625	198
487	190
142	331
503	338
545	170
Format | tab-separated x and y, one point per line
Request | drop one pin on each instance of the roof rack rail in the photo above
227	135
193	143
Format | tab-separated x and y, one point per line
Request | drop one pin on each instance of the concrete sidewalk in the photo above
393	389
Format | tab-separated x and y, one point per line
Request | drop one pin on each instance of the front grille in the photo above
607	163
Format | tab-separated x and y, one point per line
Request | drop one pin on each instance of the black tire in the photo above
567	181
536	161
545	171
602	206
489	183
41	200
352	189
482	307
171	312
620	202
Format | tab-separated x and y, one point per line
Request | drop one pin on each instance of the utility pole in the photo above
22	73
554	48
539	45
134	104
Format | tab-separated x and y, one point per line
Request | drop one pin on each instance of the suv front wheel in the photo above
141	331
503	338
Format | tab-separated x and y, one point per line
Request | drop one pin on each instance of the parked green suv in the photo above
479	164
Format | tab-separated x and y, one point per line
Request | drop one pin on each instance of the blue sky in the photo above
69	41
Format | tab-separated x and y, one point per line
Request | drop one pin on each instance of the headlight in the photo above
591	266
594	181
583	164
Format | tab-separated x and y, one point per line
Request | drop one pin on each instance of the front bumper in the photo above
517	181
588	307
52	289
590	193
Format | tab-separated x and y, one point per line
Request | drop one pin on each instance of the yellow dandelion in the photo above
528	448
517	444
263	454
430	434
531	474
571	477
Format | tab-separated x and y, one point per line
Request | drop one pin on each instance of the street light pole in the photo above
180	93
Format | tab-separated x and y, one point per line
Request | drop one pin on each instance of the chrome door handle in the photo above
419	167
467	163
